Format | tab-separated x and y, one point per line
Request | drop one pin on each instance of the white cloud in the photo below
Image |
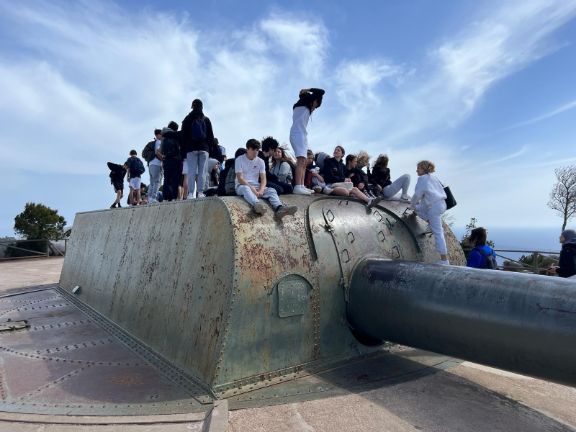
552	113
304	41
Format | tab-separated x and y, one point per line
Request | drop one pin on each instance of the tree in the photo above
538	261
563	194
39	222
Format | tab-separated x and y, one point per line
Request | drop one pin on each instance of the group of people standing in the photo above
263	170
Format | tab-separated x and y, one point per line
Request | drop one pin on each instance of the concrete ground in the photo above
467	397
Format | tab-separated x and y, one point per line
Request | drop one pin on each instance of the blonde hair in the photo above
426	166
363	158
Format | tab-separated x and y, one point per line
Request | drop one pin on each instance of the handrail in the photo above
19	252
530	251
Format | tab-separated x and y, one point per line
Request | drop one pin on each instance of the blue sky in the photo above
487	90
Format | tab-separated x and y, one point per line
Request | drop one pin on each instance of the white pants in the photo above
269	194
402	182
299	144
433	215
135	182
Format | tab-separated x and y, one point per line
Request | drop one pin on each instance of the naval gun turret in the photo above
239	302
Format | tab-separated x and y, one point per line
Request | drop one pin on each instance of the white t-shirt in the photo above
250	169
428	191
156	161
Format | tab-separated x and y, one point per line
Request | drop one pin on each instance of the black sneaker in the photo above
113	205
259	208
283	210
373	202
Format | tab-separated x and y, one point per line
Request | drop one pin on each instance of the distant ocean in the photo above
528	239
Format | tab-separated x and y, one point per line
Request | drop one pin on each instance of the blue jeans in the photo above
269	194
196	161
155	172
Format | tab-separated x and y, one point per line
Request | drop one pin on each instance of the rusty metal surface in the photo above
66	363
236	300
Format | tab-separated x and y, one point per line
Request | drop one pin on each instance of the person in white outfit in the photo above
309	100
429	202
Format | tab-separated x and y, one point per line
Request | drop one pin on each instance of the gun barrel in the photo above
518	322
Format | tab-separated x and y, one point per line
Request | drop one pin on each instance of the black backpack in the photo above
198	129
136	165
149	153
489	260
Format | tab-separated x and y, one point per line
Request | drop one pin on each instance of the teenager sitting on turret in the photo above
381	180
358	177
282	170
251	182
337	183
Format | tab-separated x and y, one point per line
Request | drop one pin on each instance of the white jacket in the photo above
428	191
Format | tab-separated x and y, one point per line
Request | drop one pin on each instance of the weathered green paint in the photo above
198	281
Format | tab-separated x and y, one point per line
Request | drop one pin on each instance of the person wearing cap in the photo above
567	264
197	137
308	101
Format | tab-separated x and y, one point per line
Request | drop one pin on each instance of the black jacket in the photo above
357	176
567	263
188	143
334	171
117	172
380	176
170	147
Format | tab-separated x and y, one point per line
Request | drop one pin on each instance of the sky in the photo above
486	90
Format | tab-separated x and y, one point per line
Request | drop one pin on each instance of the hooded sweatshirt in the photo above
170	146
190	144
567	262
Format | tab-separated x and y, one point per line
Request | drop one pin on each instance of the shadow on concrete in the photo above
415	386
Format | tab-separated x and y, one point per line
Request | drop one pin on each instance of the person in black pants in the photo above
171	161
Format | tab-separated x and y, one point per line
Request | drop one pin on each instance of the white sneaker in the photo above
190	196
301	190
327	190
406	198
201	195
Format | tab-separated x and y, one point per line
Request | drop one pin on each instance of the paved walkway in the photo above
465	398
